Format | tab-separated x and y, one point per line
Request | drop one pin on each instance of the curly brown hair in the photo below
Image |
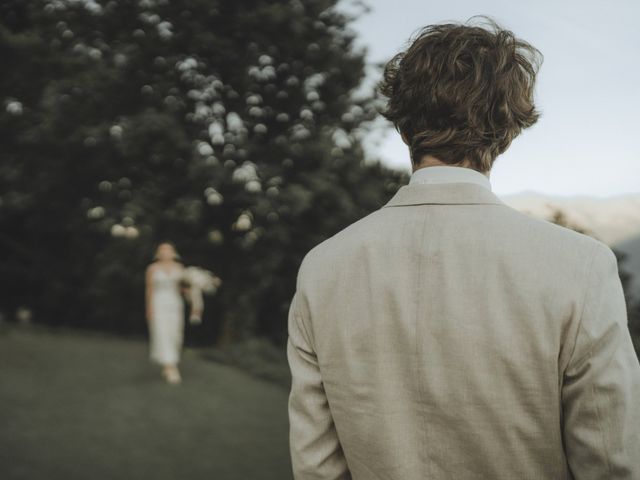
461	92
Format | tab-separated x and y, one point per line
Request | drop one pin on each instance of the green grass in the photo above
76	406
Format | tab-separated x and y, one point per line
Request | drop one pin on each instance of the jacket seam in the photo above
419	303
598	405
300	320
589	272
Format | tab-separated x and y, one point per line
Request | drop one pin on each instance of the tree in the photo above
229	127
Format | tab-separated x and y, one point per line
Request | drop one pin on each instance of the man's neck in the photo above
431	161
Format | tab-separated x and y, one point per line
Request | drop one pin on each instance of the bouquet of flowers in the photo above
196	281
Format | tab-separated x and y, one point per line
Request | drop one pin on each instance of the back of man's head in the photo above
462	92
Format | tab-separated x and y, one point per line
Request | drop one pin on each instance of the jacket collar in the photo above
449	174
457	193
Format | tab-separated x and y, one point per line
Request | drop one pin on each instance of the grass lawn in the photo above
76	406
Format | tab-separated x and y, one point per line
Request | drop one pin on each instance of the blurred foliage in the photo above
229	127
634	325
560	218
633	303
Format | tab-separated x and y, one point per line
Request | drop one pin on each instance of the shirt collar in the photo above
449	174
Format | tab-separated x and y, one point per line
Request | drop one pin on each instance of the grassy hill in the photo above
76	406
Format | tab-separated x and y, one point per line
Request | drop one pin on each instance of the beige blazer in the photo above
449	336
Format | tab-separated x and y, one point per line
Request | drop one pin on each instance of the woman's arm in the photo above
148	291
197	303
193	296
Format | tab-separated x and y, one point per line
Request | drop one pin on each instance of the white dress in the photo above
166	329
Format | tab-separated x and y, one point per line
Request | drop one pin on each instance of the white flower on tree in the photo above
243	223
14	107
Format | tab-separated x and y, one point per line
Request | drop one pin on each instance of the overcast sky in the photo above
587	139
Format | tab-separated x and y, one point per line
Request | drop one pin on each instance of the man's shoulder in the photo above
330	249
513	227
536	229
555	247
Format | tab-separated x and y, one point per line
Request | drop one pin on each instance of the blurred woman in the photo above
165	310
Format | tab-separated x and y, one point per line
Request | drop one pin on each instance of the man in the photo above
447	335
